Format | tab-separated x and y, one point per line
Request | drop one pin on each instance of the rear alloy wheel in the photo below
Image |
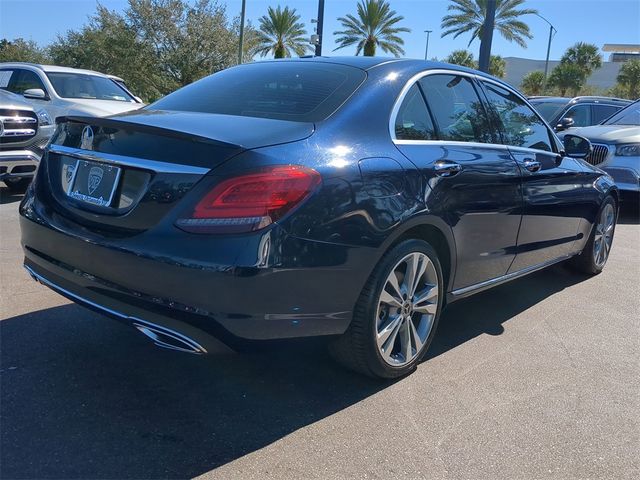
396	316
595	254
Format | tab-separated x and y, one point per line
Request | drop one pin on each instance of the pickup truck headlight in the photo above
44	118
628	150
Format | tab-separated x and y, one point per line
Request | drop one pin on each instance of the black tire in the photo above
357	348
18	186
586	261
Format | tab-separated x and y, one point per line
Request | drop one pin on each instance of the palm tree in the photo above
463	58
497	66
469	16
533	83
629	77
584	55
280	33
375	26
567	76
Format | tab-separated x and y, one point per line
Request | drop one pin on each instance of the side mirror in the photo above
576	146
35	93
565	123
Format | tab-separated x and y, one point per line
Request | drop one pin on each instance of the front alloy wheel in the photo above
604	235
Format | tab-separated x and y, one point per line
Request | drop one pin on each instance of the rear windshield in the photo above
297	91
548	110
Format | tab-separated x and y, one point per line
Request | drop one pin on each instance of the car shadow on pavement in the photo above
7	196
629	213
86	397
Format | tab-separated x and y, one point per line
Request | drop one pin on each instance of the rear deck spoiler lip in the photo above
143	128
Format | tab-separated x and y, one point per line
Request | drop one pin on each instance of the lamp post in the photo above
426	50
241	46
552	31
487	36
319	29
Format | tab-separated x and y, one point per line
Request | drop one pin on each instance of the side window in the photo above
522	127
24	80
457	110
581	115
5	78
599	112
413	121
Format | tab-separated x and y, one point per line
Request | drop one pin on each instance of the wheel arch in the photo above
436	233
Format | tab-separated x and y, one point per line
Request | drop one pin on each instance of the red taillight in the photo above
252	201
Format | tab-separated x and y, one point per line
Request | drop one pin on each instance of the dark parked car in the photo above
351	197
562	113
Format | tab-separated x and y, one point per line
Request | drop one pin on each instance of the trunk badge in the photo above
86	141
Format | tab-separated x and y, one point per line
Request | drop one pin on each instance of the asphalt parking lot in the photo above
539	378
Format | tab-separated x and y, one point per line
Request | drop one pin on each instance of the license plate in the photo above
94	183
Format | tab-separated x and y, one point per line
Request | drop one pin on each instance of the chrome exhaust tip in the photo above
171	340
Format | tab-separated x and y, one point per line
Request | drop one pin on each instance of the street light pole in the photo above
487	36
319	29
552	31
241	46
426	50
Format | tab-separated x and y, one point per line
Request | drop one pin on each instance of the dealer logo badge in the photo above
95	177
86	140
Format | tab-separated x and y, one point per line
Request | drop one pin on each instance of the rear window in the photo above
297	91
548	110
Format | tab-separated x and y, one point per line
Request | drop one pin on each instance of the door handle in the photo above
445	168
531	164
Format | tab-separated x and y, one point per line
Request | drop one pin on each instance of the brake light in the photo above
251	202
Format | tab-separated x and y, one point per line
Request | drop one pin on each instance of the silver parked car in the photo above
24	133
616	146
66	91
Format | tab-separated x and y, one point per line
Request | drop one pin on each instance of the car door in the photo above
580	114
473	182
551	184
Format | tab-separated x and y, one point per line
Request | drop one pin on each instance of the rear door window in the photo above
457	109
520	124
413	121
602	112
5	78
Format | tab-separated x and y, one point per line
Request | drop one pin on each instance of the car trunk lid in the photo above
121	175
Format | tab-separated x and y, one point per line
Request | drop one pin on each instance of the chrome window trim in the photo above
125	161
479	78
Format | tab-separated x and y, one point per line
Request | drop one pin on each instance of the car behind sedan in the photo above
351	198
616	148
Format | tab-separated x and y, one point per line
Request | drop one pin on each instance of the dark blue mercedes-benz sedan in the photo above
347	197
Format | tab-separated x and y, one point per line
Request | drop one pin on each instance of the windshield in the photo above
629	115
285	90
92	87
548	110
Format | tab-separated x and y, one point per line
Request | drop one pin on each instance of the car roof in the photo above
369	63
51	68
580	99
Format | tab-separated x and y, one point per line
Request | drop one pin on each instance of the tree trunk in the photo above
279	51
370	48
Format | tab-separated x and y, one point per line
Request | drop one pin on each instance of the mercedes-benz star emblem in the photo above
86	141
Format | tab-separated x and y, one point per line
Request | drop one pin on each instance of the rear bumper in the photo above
311	291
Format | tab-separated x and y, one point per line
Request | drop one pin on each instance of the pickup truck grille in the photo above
17	126
599	154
